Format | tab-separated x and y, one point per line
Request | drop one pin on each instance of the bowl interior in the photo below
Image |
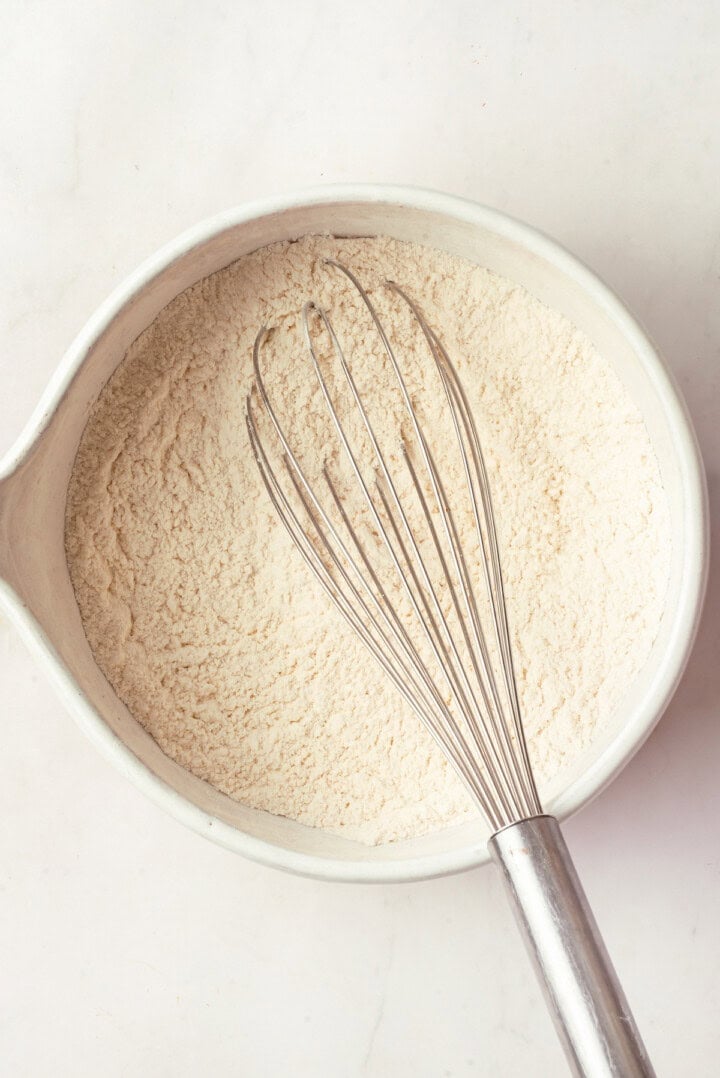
33	500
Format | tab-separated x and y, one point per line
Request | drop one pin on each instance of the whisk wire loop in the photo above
449	678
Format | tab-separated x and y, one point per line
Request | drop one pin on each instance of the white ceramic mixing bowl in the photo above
35	585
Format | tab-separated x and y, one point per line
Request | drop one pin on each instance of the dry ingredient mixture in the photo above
210	628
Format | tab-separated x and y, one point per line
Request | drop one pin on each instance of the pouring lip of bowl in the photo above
695	511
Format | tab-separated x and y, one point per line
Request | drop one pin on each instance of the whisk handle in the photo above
587	1004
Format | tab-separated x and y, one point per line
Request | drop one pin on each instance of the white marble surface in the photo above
129	946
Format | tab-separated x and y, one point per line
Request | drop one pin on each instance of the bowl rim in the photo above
691	593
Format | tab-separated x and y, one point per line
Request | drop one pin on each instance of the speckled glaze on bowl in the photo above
35	585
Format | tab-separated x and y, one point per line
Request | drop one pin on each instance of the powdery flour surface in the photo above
211	629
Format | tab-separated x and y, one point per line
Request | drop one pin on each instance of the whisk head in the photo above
409	559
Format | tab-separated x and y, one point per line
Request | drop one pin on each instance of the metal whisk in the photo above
387	538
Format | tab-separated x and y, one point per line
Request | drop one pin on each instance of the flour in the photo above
211	629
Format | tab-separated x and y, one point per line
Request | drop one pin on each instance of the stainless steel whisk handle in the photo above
588	1006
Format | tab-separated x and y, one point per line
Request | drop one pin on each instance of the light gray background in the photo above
129	946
